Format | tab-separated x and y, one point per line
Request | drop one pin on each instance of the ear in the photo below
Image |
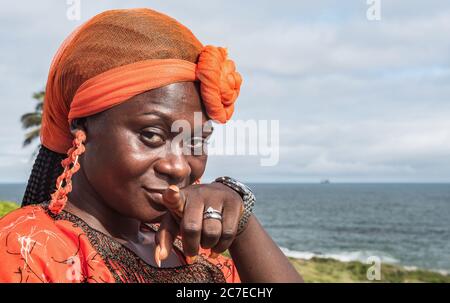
78	124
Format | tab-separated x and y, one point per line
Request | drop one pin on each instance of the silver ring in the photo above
212	213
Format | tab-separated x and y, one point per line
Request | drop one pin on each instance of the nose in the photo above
174	168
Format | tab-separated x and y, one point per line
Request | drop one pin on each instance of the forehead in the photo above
176	101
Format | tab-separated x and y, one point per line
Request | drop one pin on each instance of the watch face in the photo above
244	187
240	184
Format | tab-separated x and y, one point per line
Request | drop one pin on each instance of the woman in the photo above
128	204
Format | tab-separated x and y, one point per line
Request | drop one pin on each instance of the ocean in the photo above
405	224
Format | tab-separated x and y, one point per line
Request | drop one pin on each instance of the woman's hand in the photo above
256	256
186	207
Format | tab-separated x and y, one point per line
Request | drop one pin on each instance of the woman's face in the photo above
132	155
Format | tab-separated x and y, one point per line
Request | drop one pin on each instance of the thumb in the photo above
174	200
164	237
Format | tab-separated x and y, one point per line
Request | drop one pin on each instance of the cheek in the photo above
115	164
198	166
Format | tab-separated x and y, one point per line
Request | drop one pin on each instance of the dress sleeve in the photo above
33	248
22	241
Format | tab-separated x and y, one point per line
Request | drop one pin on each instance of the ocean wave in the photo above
343	256
360	256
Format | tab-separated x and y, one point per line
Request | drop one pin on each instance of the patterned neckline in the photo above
126	266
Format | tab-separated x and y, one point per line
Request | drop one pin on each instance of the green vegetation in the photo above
329	270
32	121
6	207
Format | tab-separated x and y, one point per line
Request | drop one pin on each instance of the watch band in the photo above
248	199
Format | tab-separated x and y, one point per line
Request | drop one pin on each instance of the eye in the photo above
197	142
152	138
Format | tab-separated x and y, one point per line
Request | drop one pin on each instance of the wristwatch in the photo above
247	196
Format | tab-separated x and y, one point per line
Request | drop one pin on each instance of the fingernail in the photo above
174	188
157	257
173	196
213	255
163	253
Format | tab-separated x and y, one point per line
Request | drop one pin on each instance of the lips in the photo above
155	198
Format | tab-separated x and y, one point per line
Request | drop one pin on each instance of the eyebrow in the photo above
159	114
167	118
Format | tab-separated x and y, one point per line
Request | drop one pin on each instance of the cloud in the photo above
356	100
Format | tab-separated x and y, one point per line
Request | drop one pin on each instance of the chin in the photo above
145	207
150	209
145	213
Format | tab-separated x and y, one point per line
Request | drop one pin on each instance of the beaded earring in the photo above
71	166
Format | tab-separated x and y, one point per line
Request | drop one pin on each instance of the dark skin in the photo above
125	174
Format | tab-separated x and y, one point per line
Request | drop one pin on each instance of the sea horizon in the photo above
399	223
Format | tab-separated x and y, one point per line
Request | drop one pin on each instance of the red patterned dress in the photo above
38	246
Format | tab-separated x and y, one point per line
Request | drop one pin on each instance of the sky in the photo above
356	100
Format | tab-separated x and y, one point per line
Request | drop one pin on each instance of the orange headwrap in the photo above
121	53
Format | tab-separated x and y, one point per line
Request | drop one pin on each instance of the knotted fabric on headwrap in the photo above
121	53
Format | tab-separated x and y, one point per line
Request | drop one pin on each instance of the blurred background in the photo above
361	92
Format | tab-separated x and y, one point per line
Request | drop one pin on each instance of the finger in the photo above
174	200
211	230
164	238
191	227
230	219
